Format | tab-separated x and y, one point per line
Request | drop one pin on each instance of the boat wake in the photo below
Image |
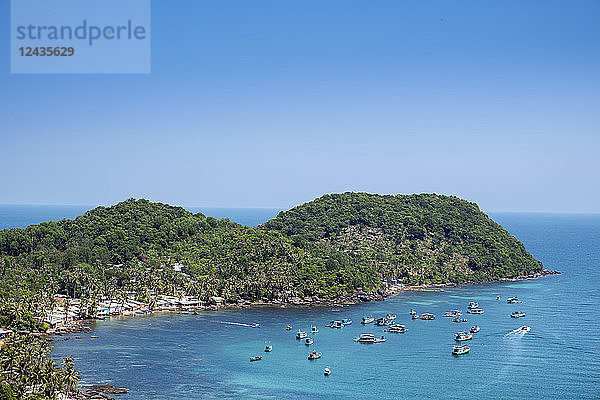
519	331
251	325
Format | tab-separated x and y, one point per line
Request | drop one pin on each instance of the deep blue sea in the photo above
175	356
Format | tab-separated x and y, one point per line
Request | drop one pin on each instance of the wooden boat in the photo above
367	320
460	350
462	336
475	329
517	314
256	358
313	355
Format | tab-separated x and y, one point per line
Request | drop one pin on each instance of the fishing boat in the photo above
256	358
301	334
460	350
308	341
415	316
427	316
327	372
313	355
396	329
346	321
453	313
513	300
475	329
391	317
335	324
288	327
367	320
473	305
517	314
475	311
462	336
314	329
369	338
524	329
268	348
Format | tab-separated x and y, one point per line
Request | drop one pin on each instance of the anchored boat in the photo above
367	320
513	300
346	321
256	358
475	311
462	336
301	334
335	324
460	350
308	341
369	338
517	314
313	355
473	305
396	329
427	316
327	372
314	329
288	327
475	329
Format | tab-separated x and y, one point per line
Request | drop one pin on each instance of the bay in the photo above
167	356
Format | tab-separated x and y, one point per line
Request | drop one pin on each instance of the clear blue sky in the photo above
273	103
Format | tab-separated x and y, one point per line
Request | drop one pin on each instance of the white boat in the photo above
369	338
396	329
327	372
475	311
367	320
473	305
335	324
314	329
301	335
524	329
308	341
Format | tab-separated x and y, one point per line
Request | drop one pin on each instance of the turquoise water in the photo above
204	357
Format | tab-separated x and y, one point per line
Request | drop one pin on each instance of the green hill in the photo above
425	238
